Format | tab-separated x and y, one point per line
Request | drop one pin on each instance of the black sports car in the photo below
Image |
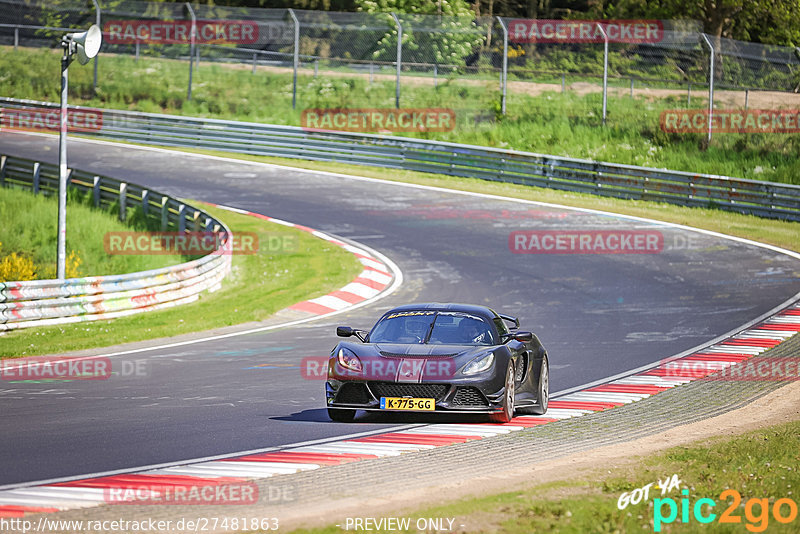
454	358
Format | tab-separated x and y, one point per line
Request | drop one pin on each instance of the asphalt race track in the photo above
598	314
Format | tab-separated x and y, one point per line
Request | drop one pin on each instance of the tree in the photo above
438	31
764	21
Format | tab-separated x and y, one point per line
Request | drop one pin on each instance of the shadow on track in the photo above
321	416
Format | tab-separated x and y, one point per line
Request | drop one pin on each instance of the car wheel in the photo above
341	416
508	397
543	392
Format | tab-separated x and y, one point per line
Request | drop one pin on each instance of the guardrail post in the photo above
16	37
96	191
710	85
37	167
504	72
3	160
295	56
123	201
164	213
631	87
145	202
137	51
182	218
398	60
605	69
255	56
689	95
99	25
746	98
192	37
371	71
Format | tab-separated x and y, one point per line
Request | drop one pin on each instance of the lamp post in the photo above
86	45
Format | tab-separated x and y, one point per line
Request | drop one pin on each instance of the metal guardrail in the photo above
49	302
765	199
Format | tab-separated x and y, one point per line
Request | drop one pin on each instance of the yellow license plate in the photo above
403	403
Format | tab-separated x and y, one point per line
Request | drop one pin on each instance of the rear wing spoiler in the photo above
510	319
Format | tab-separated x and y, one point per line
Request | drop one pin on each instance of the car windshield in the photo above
436	328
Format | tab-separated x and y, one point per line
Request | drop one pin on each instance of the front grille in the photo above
469	396
427	356
353	393
423	391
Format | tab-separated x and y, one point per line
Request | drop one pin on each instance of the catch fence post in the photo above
605	69
295	57
192	36
399	59
710	84
504	72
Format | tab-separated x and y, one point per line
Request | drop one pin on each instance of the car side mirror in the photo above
344	331
522	337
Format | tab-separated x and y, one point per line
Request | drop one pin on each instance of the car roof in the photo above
473	309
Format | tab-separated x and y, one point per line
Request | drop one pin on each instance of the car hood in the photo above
392	350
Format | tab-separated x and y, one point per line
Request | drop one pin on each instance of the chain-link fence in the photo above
659	59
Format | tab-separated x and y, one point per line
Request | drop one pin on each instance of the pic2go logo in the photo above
756	511
643	494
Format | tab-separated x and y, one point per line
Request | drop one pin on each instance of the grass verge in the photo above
28	228
258	286
761	465
568	124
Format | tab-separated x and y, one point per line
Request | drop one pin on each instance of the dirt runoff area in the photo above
780	406
752	99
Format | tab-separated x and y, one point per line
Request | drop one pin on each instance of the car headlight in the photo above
348	360
479	364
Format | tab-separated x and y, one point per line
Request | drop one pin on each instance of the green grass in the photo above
758	465
258	286
551	123
28	227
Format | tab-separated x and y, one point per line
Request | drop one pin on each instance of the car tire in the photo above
508	397
341	415
542	391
